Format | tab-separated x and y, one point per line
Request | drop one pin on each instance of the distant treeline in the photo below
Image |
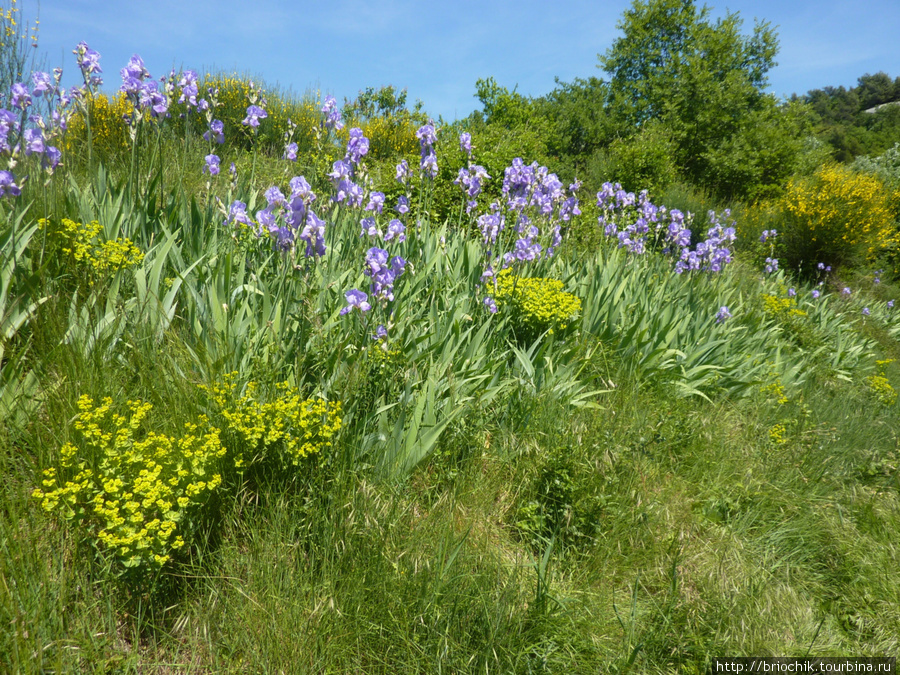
850	121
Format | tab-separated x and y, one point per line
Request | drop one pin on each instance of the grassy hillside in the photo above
324	410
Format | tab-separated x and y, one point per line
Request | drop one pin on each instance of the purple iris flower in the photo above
314	235
189	89
88	61
300	188
369	227
426	136
382	273
355	194
152	98
266	219
403	172
332	114
216	132
845	291
890	304
284	238
34	141
491	224
52	157
865	311
465	142
429	164
42	83
254	115
212	165
376	202
8	185
20	96
340	171
376	260
274	196
402	204
791	292
135	69
722	315
395	230
290	152
356	299
490	304
237	214
357	146
815	294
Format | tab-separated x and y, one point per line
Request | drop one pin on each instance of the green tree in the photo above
704	81
503	107
875	89
577	122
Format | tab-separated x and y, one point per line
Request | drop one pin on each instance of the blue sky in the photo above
438	50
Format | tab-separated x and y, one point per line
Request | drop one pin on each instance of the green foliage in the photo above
564	504
502	107
704	83
886	167
861	120
578	124
670	52
643	161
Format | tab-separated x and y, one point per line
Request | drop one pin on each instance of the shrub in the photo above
84	245
537	305
108	127
233	93
286	429
644	161
837	217
879	386
135	491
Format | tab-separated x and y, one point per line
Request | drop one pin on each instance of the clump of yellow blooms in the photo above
109	130
134	490
775	390
781	308
777	434
384	358
296	426
84	243
837	213
880	386
538	304
389	136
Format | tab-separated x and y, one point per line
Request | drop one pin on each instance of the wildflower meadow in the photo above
288	385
